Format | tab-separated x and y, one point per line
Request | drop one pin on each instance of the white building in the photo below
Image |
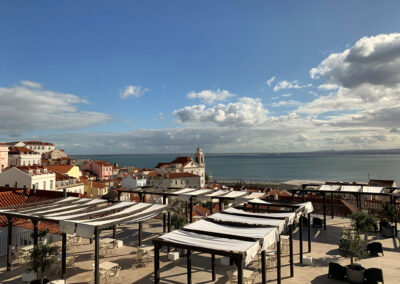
21	156
34	177
186	164
70	184
39	146
132	182
3	156
175	180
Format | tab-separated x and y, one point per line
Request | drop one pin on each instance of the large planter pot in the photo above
355	275
388	232
37	281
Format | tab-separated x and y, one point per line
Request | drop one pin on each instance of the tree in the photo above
42	256
351	245
363	221
178	220
387	212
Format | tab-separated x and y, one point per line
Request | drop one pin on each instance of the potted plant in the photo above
387	214
42	258
363	221
178	221
352	246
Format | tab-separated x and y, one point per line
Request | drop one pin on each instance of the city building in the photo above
3	156
185	164
39	146
132	182
175	180
103	170
72	171
68	183
32	177
22	156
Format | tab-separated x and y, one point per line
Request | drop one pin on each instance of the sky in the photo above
121	77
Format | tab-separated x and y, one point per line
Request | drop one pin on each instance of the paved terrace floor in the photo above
324	250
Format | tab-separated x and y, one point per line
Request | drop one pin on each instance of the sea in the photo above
275	168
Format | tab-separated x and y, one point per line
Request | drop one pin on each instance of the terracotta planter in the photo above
355	275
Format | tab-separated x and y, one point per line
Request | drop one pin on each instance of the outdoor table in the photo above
145	248
26	248
107	265
107	240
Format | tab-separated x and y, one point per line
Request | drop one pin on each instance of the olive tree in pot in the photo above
363	221
178	221
42	258
352	246
387	214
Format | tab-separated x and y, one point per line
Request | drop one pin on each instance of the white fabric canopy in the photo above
209	242
372	189
235	194
184	190
186	196
258	201
248	220
308	207
268	236
351	188
329	187
217	193
290	215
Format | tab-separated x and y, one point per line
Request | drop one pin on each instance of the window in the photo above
16	184
51	184
44	185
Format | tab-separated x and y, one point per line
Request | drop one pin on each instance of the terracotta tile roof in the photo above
184	160
38	143
163	165
153	174
98	184
20	150
103	163
179	175
201	210
381	182
60	168
61	176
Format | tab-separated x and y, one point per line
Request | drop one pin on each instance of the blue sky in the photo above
102	77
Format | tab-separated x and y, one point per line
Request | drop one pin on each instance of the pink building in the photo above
3	156
103	170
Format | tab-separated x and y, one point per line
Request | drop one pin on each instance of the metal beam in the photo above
157	263
301	238
278	260
263	268
140	233
64	256
291	250
189	266
9	243
96	256
213	277
309	231
324	208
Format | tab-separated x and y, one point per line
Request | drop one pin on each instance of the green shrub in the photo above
363	221
351	245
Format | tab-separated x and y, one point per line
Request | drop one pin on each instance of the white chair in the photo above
102	273
78	241
103	249
114	248
114	275
70	261
29	276
143	257
284	243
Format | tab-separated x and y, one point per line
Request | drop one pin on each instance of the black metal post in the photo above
169	221
189	266
324	208
304	197
164	215
114	231
278	260
239	264
263	268
332	215
309	231
191	209
186	209
9	243
291	250
96	256
221	205
213	267
140	233
64	256
301	238
211	206
156	264
119	196
35	232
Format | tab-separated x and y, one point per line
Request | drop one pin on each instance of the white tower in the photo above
199	157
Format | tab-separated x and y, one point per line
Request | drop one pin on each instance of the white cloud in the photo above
245	112
270	81
210	96
287	95
30	108
289	103
282	85
327	87
30	84
132	91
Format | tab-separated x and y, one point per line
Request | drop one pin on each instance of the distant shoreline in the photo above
327	152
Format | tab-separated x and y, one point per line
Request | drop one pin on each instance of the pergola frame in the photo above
36	219
304	190
237	257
